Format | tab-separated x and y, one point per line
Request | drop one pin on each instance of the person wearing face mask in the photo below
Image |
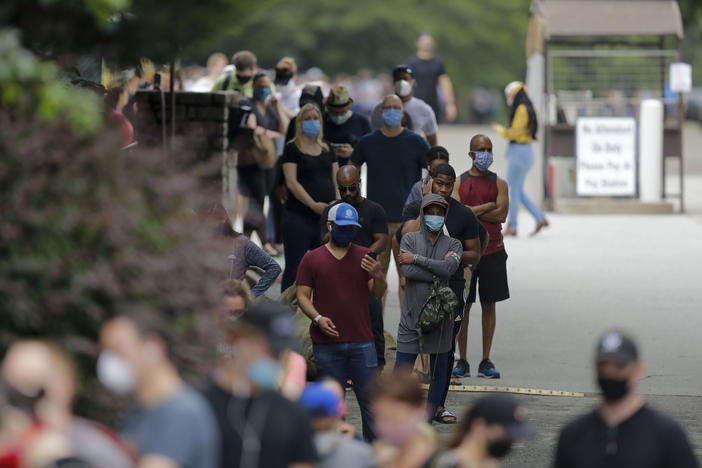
395	157
344	127
422	117
288	91
269	121
333	282
405	439
324	407
259	427
310	170
172	424
426	255
623	431
486	433
372	234
486	195
245	66
520	155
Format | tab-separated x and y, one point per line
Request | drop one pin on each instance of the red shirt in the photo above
339	291
477	190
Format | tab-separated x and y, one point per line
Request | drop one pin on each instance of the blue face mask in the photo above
483	160
264	373
434	223
261	94
392	117
343	236
311	128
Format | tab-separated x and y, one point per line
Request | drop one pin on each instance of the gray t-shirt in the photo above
421	114
181	428
337	451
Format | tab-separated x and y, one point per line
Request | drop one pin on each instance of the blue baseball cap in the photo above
343	214
319	402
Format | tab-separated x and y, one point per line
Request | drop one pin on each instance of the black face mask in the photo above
613	389
282	78
243	79
499	448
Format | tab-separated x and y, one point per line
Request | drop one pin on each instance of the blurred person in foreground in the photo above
431	74
259	427
41	379
344	127
323	406
623	431
405	439
333	283
423	120
215	66
486	433
172	425
520	155
116	98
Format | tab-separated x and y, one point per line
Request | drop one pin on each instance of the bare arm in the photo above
335	169
499	213
377	284
447	88
480	210
380	241
156	461
471	251
432	139
304	300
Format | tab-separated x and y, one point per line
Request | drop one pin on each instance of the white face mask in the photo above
403	88
115	373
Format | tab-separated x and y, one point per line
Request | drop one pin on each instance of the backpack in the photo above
439	305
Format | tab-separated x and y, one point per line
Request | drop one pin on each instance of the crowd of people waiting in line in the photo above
268	405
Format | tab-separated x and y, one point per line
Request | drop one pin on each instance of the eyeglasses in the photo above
348	188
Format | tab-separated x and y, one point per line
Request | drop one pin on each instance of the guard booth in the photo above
601	59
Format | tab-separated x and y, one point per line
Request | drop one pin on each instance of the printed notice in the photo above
605	156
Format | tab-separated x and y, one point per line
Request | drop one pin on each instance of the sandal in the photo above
444	416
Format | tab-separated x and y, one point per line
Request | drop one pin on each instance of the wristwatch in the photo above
317	319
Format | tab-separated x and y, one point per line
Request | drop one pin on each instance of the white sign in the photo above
680	77
605	151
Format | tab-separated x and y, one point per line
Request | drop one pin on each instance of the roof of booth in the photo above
609	17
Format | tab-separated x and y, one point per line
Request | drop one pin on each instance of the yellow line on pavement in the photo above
517	390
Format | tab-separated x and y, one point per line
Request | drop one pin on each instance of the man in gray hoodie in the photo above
425	255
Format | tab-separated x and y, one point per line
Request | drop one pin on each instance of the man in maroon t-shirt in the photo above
487	196
339	275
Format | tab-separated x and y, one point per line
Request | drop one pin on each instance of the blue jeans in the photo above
438	365
355	361
300	235
520	157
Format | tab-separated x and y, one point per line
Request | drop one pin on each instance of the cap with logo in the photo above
338	97
618	347
503	409
343	214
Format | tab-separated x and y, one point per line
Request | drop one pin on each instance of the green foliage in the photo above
28	86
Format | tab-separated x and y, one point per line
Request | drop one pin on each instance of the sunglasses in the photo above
348	188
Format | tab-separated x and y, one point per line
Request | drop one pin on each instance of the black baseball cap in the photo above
403	68
275	322
618	347
503	409
313	94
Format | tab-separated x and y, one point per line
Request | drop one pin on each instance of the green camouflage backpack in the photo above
438	307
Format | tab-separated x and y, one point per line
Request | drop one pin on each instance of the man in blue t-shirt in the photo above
395	157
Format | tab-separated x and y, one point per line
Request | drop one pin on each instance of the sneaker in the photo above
462	369
487	370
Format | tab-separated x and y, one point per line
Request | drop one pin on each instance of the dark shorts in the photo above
491	273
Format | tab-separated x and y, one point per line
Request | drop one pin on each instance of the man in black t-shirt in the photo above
461	224
429	72
373	234
259	428
343	128
623	432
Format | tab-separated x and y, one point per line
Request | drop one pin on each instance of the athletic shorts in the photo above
490	278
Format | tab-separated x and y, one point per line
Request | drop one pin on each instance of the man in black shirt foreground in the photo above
259	427
623	432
